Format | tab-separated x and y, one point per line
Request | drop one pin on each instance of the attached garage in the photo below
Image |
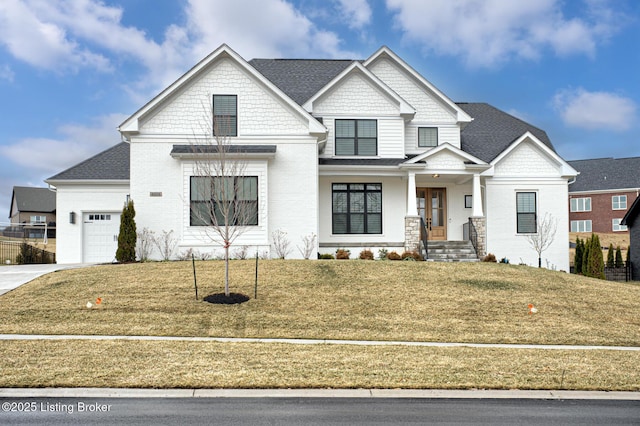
100	231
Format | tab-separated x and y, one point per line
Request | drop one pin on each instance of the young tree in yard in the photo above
127	237
595	263
542	239
619	263
223	199
577	260
585	256
610	259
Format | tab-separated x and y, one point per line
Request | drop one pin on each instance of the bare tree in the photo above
542	239
223	199
308	245
166	244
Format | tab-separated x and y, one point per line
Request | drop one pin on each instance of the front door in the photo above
432	208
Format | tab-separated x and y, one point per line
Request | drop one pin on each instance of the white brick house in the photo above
355	152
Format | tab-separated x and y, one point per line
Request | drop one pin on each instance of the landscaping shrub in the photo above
382	254
490	257
618	262
326	256
577	261
610	260
394	256
127	237
414	255
342	254
366	254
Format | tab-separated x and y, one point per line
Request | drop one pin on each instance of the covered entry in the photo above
431	203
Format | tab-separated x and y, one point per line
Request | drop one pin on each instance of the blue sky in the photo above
72	70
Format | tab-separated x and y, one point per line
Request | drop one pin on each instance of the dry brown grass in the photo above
251	365
415	301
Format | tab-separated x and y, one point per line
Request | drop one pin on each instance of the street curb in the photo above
315	393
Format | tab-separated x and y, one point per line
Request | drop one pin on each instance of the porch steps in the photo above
451	251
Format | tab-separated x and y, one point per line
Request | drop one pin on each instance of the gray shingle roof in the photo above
493	130
29	199
600	174
300	79
111	164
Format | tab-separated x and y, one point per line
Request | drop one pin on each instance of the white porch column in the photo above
477	196
412	205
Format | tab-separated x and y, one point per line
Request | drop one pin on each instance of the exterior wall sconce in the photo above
72	217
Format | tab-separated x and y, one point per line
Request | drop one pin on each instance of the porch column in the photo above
477	196
412	205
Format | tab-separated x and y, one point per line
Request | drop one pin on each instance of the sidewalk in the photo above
314	342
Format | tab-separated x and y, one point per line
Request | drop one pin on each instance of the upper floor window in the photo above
218	200
38	219
357	137
526	212
619	202
581	204
617	227
225	115
427	136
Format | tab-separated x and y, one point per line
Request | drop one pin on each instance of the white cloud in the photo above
595	110
356	13
78	142
6	73
487	33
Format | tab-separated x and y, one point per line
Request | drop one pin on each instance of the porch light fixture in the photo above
72	217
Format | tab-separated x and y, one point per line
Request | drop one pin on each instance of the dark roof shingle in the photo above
111	164
29	199
601	174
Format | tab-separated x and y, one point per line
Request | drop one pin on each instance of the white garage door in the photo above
100	236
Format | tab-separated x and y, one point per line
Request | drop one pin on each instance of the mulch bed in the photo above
222	299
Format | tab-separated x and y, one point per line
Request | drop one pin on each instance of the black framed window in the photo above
214	197
526	212
427	136
356	137
357	208
225	115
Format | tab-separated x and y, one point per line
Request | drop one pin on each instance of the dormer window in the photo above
427	137
225	115
357	137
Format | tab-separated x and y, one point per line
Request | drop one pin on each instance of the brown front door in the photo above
432	208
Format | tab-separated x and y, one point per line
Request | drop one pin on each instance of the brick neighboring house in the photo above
631	221
602	193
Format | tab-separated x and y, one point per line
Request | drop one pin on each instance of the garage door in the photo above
100	236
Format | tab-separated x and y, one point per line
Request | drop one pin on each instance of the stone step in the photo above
451	251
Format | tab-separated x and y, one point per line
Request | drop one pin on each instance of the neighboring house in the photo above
631	221
602	193
355	152
32	207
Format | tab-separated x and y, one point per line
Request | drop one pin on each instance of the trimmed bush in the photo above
326	256
366	254
394	256
411	254
618	262
610	259
342	254
490	257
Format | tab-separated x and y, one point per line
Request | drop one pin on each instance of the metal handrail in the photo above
424	237
473	235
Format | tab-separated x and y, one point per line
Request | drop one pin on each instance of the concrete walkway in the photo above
313	342
13	276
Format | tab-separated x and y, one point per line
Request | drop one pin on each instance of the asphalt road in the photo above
315	411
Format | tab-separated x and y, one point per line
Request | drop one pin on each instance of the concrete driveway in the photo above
12	276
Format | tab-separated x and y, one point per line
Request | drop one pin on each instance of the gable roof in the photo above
492	131
30	199
111	164
300	79
601	174
132	123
